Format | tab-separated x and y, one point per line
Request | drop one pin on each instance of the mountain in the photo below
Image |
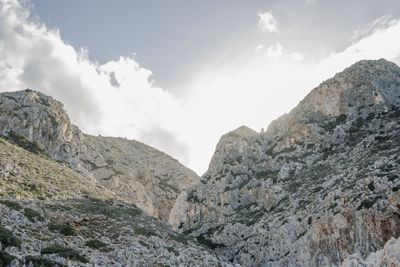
135	172
319	188
51	215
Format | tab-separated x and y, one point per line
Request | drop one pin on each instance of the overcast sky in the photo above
179	74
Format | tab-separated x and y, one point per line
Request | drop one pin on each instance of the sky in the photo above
179	74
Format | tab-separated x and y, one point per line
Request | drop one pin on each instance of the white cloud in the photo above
259	47
274	51
297	56
381	23
311	2
382	43
267	22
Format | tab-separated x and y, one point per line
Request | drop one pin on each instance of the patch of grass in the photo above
96	244
208	243
64	229
368	203
356	125
5	258
143	244
107	209
11	204
32	215
65	252
144	232
41	262
21	141
265	174
179	238
8	239
172	250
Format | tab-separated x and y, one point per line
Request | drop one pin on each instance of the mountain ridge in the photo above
144	176
318	186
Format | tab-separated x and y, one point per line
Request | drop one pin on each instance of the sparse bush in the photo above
64	229
7	238
5	258
32	215
40	262
368	203
144	232
11	204
65	252
95	244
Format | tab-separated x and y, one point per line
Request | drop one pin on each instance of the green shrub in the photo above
368	203
5	258
144	232
95	244
40	262
11	204
208	243
32	215
64	229
179	238
7	238
65	252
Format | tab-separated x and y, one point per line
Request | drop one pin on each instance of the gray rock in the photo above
137	173
321	184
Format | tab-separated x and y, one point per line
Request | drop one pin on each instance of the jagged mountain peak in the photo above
371	66
367	86
231	143
136	172
242	131
32	97
319	186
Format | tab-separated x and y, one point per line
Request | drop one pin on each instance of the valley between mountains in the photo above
319	187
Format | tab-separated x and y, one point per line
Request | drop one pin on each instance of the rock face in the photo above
53	216
136	172
319	188
388	256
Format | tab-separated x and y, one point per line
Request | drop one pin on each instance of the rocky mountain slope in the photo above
319	188
135	172
53	216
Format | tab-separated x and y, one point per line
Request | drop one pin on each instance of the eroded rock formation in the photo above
137	173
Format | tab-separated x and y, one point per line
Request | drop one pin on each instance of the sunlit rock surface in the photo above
136	172
320	185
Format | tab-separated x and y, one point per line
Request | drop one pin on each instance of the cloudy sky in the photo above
179	74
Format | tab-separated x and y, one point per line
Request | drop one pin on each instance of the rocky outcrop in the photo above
136	172
388	256
52	216
321	184
41	119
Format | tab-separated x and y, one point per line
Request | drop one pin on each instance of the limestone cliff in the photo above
136	172
319	188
